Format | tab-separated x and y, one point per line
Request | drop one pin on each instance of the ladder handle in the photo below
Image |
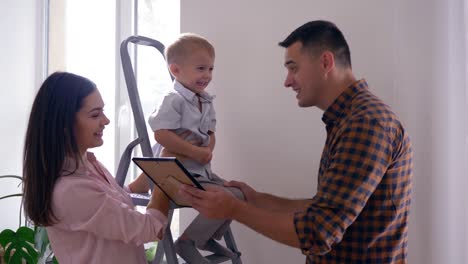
125	162
145	41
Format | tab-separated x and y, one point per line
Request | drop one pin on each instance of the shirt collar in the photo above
191	96
338	108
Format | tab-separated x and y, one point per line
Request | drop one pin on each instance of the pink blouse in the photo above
96	219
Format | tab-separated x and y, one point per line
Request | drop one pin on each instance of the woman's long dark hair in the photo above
50	137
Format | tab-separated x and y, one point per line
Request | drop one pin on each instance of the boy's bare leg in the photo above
140	184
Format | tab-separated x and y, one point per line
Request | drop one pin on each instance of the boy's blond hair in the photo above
186	44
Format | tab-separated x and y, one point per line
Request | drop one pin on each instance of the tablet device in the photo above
168	174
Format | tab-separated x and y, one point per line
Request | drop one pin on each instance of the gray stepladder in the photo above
166	246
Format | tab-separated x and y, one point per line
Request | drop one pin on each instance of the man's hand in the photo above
219	204
212	203
249	193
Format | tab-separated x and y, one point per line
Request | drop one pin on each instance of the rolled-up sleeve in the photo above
84	205
168	115
212	119
356	165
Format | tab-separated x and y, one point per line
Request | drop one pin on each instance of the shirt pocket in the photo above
205	125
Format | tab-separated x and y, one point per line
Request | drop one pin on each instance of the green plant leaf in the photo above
6	236
7	255
26	234
150	253
19	245
14	260
26	252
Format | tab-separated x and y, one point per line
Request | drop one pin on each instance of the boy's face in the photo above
195	71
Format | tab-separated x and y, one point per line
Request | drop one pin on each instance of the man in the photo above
360	211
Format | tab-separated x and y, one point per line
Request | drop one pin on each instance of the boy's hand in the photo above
167	153
202	155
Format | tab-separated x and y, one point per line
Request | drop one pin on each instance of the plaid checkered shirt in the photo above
360	212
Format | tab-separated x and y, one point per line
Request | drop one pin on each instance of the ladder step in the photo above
213	258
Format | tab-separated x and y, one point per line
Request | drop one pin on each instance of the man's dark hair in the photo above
318	36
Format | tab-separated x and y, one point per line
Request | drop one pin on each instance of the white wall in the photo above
19	28
263	138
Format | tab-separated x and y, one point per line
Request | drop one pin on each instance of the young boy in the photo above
184	125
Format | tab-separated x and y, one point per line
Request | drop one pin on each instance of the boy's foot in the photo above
218	249
186	249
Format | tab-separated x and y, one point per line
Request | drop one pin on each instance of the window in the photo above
160	20
82	41
84	38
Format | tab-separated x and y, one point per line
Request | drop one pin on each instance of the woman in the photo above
88	216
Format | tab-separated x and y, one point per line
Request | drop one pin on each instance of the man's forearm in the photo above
260	220
279	204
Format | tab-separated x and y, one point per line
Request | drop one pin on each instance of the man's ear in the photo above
174	69
328	61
